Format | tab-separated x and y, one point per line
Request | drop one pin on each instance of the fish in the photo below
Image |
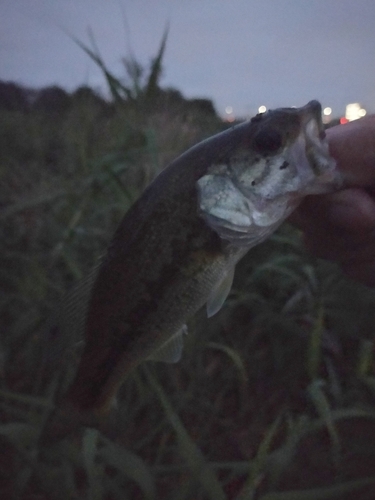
176	248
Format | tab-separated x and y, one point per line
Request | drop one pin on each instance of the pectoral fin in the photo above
171	350
220	293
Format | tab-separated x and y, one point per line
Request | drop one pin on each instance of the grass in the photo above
274	398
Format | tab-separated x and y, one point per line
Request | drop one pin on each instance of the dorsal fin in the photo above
67	325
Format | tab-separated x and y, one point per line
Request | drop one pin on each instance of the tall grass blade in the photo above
19	434
314	353
233	355
369	382
118	90
201	470
323	408
258	464
280	459
129	465
26	399
365	357
330	493
89	451
152	85
33	202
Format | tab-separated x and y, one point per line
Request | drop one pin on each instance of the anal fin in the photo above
171	350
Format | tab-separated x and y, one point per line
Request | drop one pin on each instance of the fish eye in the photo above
267	141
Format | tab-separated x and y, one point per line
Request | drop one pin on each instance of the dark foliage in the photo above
13	97
274	398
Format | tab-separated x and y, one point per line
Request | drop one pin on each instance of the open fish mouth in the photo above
325	176
247	199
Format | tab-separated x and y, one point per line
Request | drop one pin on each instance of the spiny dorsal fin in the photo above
68	324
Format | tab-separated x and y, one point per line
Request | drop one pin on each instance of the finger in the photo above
339	247
353	147
340	226
352	210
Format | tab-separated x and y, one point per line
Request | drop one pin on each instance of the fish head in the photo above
283	157
287	152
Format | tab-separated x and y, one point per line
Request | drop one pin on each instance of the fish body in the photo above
176	248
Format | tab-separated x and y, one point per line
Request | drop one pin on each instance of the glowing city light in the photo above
262	109
229	110
354	111
327	111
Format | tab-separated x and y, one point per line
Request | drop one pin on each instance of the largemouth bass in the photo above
176	248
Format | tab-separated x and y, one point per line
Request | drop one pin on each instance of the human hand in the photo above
341	226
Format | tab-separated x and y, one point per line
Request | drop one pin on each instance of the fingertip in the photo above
352	209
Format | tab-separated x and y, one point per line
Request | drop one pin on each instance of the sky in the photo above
239	53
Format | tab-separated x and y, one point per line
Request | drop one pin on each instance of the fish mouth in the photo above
323	166
313	130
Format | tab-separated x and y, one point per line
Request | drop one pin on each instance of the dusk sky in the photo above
242	53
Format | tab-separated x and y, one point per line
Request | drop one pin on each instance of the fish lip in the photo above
314	107
312	111
317	149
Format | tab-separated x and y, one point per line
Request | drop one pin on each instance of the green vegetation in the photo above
274	398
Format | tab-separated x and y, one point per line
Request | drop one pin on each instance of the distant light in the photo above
343	120
262	109
327	111
354	111
229	110
230	119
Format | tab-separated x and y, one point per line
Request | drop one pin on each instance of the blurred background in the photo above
274	398
241	54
